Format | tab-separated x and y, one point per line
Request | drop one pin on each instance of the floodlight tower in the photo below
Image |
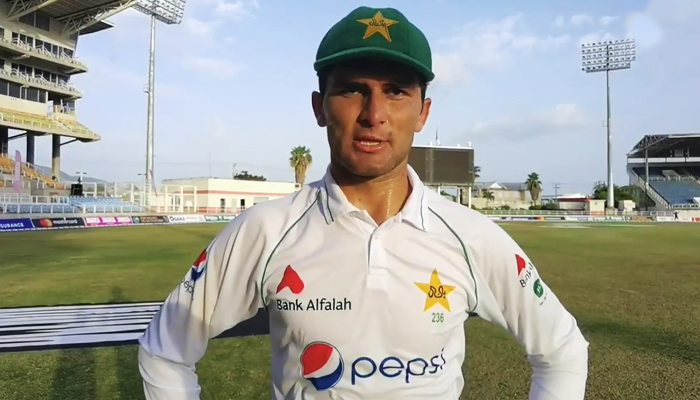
169	12
608	56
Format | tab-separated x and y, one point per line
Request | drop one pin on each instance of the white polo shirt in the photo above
360	311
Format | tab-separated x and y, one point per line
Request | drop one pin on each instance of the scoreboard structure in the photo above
443	165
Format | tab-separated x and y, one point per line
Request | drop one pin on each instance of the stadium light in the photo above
608	56
169	12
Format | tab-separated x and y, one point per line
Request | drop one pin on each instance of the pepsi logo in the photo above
199	265
322	365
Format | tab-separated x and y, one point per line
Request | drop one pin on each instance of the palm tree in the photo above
300	161
534	186
488	195
477	171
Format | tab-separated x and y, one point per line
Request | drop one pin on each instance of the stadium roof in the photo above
660	142
83	16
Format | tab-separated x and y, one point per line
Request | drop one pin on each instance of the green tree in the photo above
534	186
634	193
488	195
477	172
300	161
245	176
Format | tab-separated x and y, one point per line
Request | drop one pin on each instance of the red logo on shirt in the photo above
291	280
522	264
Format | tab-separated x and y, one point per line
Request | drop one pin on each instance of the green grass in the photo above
634	290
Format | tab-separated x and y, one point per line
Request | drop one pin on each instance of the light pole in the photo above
608	56
168	12
80	176
142	201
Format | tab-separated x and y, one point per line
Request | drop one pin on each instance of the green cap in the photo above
376	32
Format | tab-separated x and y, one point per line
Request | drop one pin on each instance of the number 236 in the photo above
438	318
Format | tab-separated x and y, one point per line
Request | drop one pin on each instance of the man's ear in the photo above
424	113
317	105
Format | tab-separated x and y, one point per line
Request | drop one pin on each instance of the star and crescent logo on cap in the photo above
378	24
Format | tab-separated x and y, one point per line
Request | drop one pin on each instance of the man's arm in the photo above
219	291
512	294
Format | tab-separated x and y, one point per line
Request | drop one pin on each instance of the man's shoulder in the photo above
476	230
273	215
455	214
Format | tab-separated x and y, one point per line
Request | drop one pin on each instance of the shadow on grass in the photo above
646	338
75	375
126	364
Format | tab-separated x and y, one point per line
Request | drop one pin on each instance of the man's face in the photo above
371	110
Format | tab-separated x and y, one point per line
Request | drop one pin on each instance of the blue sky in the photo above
233	85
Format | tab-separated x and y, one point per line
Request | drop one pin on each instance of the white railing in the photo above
40	80
25	184
16	198
43	52
107	209
675	178
35	208
29	121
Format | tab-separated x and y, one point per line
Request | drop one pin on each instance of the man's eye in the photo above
397	91
347	91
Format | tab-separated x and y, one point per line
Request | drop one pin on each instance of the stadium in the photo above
75	298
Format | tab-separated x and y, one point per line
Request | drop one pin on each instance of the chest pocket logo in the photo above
436	293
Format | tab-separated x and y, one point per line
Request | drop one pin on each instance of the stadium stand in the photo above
28	173
668	168
109	205
27	204
38	42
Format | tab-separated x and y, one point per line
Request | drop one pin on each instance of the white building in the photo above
217	195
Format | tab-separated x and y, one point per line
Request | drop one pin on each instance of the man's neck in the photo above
381	197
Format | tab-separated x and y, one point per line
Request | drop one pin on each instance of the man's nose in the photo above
375	111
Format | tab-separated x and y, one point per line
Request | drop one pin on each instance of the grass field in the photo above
635	290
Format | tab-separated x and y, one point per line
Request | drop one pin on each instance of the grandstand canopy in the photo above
79	16
660	145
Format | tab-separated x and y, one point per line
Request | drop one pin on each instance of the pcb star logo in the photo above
436	292
378	24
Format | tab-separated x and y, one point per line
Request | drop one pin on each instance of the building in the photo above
217	195
38	42
667	168
511	194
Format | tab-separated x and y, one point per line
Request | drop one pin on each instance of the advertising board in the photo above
219	218
150	219
108	221
21	224
185	219
56	223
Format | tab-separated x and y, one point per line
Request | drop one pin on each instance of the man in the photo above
367	275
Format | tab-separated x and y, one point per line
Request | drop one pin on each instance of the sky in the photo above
234	83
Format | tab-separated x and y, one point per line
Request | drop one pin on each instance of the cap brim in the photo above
377	52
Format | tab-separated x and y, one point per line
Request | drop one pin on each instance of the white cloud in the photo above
562	119
606	20
199	28
212	67
486	44
597	37
559	21
581	19
674	11
646	31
